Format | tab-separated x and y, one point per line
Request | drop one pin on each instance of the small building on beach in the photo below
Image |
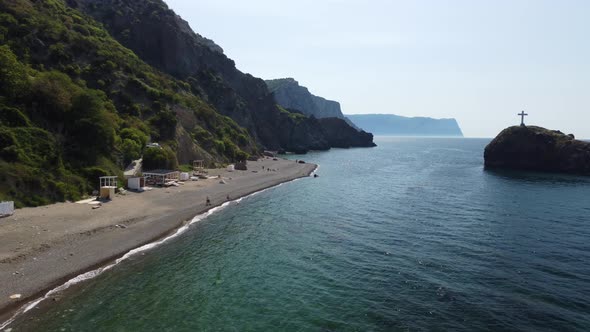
6	209
108	184
136	183
198	165
159	177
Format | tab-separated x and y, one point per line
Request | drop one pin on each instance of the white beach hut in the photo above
6	209
108	184
136	183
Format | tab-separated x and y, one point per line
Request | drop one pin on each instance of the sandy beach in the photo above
45	246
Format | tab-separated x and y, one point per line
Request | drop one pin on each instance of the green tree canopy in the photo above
13	74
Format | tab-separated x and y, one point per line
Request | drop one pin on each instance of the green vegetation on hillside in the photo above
75	105
293	115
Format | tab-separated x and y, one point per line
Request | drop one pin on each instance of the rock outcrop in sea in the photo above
538	149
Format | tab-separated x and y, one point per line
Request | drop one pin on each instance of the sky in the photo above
479	61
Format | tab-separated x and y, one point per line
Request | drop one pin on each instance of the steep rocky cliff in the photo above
538	149
75	104
339	131
289	94
341	135
161	38
390	124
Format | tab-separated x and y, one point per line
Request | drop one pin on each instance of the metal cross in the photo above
522	115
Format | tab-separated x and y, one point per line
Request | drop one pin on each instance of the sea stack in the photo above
538	149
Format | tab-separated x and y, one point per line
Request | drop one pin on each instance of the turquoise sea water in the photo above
413	235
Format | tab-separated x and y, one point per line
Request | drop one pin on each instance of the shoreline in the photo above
100	248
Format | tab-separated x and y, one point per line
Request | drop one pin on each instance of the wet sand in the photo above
43	247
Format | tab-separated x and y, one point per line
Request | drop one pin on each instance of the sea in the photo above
412	235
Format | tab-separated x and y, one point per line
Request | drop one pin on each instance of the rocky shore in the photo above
538	149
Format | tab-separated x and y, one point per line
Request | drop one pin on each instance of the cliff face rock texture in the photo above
337	129
538	149
289	94
164	40
390	124
341	135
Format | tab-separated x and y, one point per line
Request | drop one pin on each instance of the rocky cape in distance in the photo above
538	149
395	125
339	131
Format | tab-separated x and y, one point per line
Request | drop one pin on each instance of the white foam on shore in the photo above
95	273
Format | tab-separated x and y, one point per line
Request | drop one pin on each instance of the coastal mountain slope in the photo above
75	104
289	94
389	124
339	131
161	38
538	149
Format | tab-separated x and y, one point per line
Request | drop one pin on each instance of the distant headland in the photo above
390	124
339	131
538	149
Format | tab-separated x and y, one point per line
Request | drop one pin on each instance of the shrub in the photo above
6	137
165	123
92	175
134	134
93	128
13	74
203	137
155	158
37	147
131	150
12	117
241	156
219	146
55	91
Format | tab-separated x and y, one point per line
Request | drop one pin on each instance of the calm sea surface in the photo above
413	235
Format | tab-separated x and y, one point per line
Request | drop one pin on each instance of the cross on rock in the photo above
522	115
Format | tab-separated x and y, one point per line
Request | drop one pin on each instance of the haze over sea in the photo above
412	235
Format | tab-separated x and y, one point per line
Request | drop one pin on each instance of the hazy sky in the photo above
480	62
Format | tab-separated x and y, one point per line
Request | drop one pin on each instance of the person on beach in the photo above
227	197
208	202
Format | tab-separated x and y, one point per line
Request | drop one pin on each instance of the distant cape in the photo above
390	124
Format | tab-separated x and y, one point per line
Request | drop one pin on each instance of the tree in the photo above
12	117
134	134
155	158
53	92
14	80
165	123
92	127
131	150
